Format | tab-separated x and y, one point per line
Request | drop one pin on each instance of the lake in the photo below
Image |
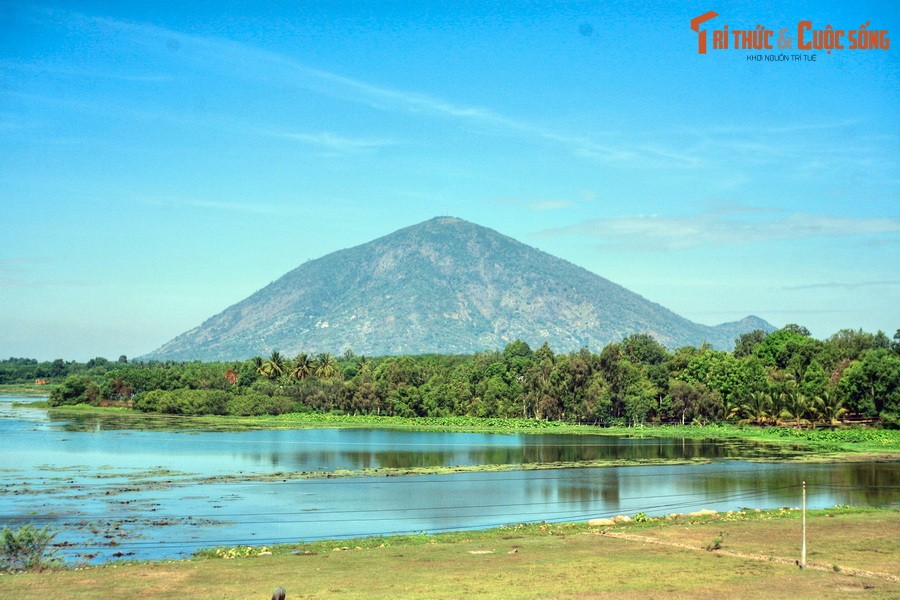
116	490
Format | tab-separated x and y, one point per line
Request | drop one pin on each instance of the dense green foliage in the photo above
786	376
28	370
27	549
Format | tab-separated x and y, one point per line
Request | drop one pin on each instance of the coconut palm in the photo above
796	405
303	366
829	407
776	403
730	409
758	407
258	365
326	366
274	367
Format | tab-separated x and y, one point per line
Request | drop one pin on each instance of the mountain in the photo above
445	286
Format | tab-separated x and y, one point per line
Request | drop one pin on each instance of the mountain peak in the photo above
751	323
445	220
446	225
445	285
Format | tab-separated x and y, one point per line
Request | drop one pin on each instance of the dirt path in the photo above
758	557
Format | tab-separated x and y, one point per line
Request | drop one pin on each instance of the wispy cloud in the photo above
216	205
541	204
333	142
876	242
843	285
812	148
20	262
682	148
18	273
325	139
767	130
236	57
7	281
550	205
733	314
722	228
38	68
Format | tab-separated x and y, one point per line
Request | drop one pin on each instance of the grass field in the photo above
665	559
25	389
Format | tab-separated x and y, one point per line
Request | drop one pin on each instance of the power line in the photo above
496	520
321	477
499	518
316	512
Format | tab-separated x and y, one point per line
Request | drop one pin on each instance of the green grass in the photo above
26	389
853	439
317	420
529	561
468	424
644	526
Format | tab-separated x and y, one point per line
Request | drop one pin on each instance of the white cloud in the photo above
333	142
722	228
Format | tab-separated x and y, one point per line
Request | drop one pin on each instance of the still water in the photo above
117	490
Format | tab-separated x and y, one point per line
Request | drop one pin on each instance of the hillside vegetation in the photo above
445	285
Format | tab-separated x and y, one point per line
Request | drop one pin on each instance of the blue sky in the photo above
160	163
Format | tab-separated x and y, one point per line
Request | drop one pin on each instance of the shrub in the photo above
27	549
253	403
890	420
716	542
76	389
184	402
642	518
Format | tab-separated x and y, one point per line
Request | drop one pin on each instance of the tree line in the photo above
784	376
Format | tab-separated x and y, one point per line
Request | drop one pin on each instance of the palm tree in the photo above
776	403
829	407
730	408
758	407
303	366
795	405
363	365
258	365
326	366
274	367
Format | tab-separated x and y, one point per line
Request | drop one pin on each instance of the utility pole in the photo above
803	521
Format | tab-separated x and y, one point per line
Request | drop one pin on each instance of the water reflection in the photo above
474	449
212	453
135	485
